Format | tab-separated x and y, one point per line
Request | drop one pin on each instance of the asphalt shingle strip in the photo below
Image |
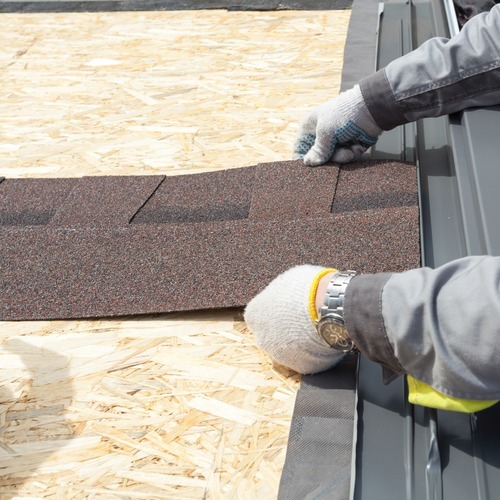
205	197
301	193
375	185
32	202
105	201
51	272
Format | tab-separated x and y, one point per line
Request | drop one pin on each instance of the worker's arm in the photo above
440	77
441	326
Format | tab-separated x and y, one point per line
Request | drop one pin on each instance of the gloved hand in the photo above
341	130
282	320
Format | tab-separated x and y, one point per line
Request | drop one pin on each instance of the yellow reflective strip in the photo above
420	393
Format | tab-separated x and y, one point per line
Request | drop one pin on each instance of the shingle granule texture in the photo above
110	246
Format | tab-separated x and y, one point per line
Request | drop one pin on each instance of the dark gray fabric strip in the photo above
361	44
318	461
161	5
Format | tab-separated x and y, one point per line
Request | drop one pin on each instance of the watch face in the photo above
335	334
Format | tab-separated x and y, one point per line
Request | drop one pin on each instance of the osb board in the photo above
160	92
174	406
162	407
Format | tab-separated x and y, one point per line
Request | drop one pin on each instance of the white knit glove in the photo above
340	130
280	318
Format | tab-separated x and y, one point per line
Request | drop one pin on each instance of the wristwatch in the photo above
330	324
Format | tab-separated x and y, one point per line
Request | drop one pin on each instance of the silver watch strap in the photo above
335	294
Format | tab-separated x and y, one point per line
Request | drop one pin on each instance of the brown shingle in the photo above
180	254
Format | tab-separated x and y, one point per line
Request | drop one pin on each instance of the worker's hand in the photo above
340	130
282	320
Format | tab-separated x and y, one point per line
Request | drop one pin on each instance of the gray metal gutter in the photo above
405	451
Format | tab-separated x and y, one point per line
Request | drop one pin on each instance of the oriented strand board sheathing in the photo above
197	250
150	408
181	406
160	92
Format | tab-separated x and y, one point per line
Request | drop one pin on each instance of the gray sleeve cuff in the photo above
365	324
380	101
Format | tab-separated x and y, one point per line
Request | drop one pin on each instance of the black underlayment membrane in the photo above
38	6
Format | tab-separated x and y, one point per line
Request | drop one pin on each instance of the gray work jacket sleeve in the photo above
440	77
441	326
